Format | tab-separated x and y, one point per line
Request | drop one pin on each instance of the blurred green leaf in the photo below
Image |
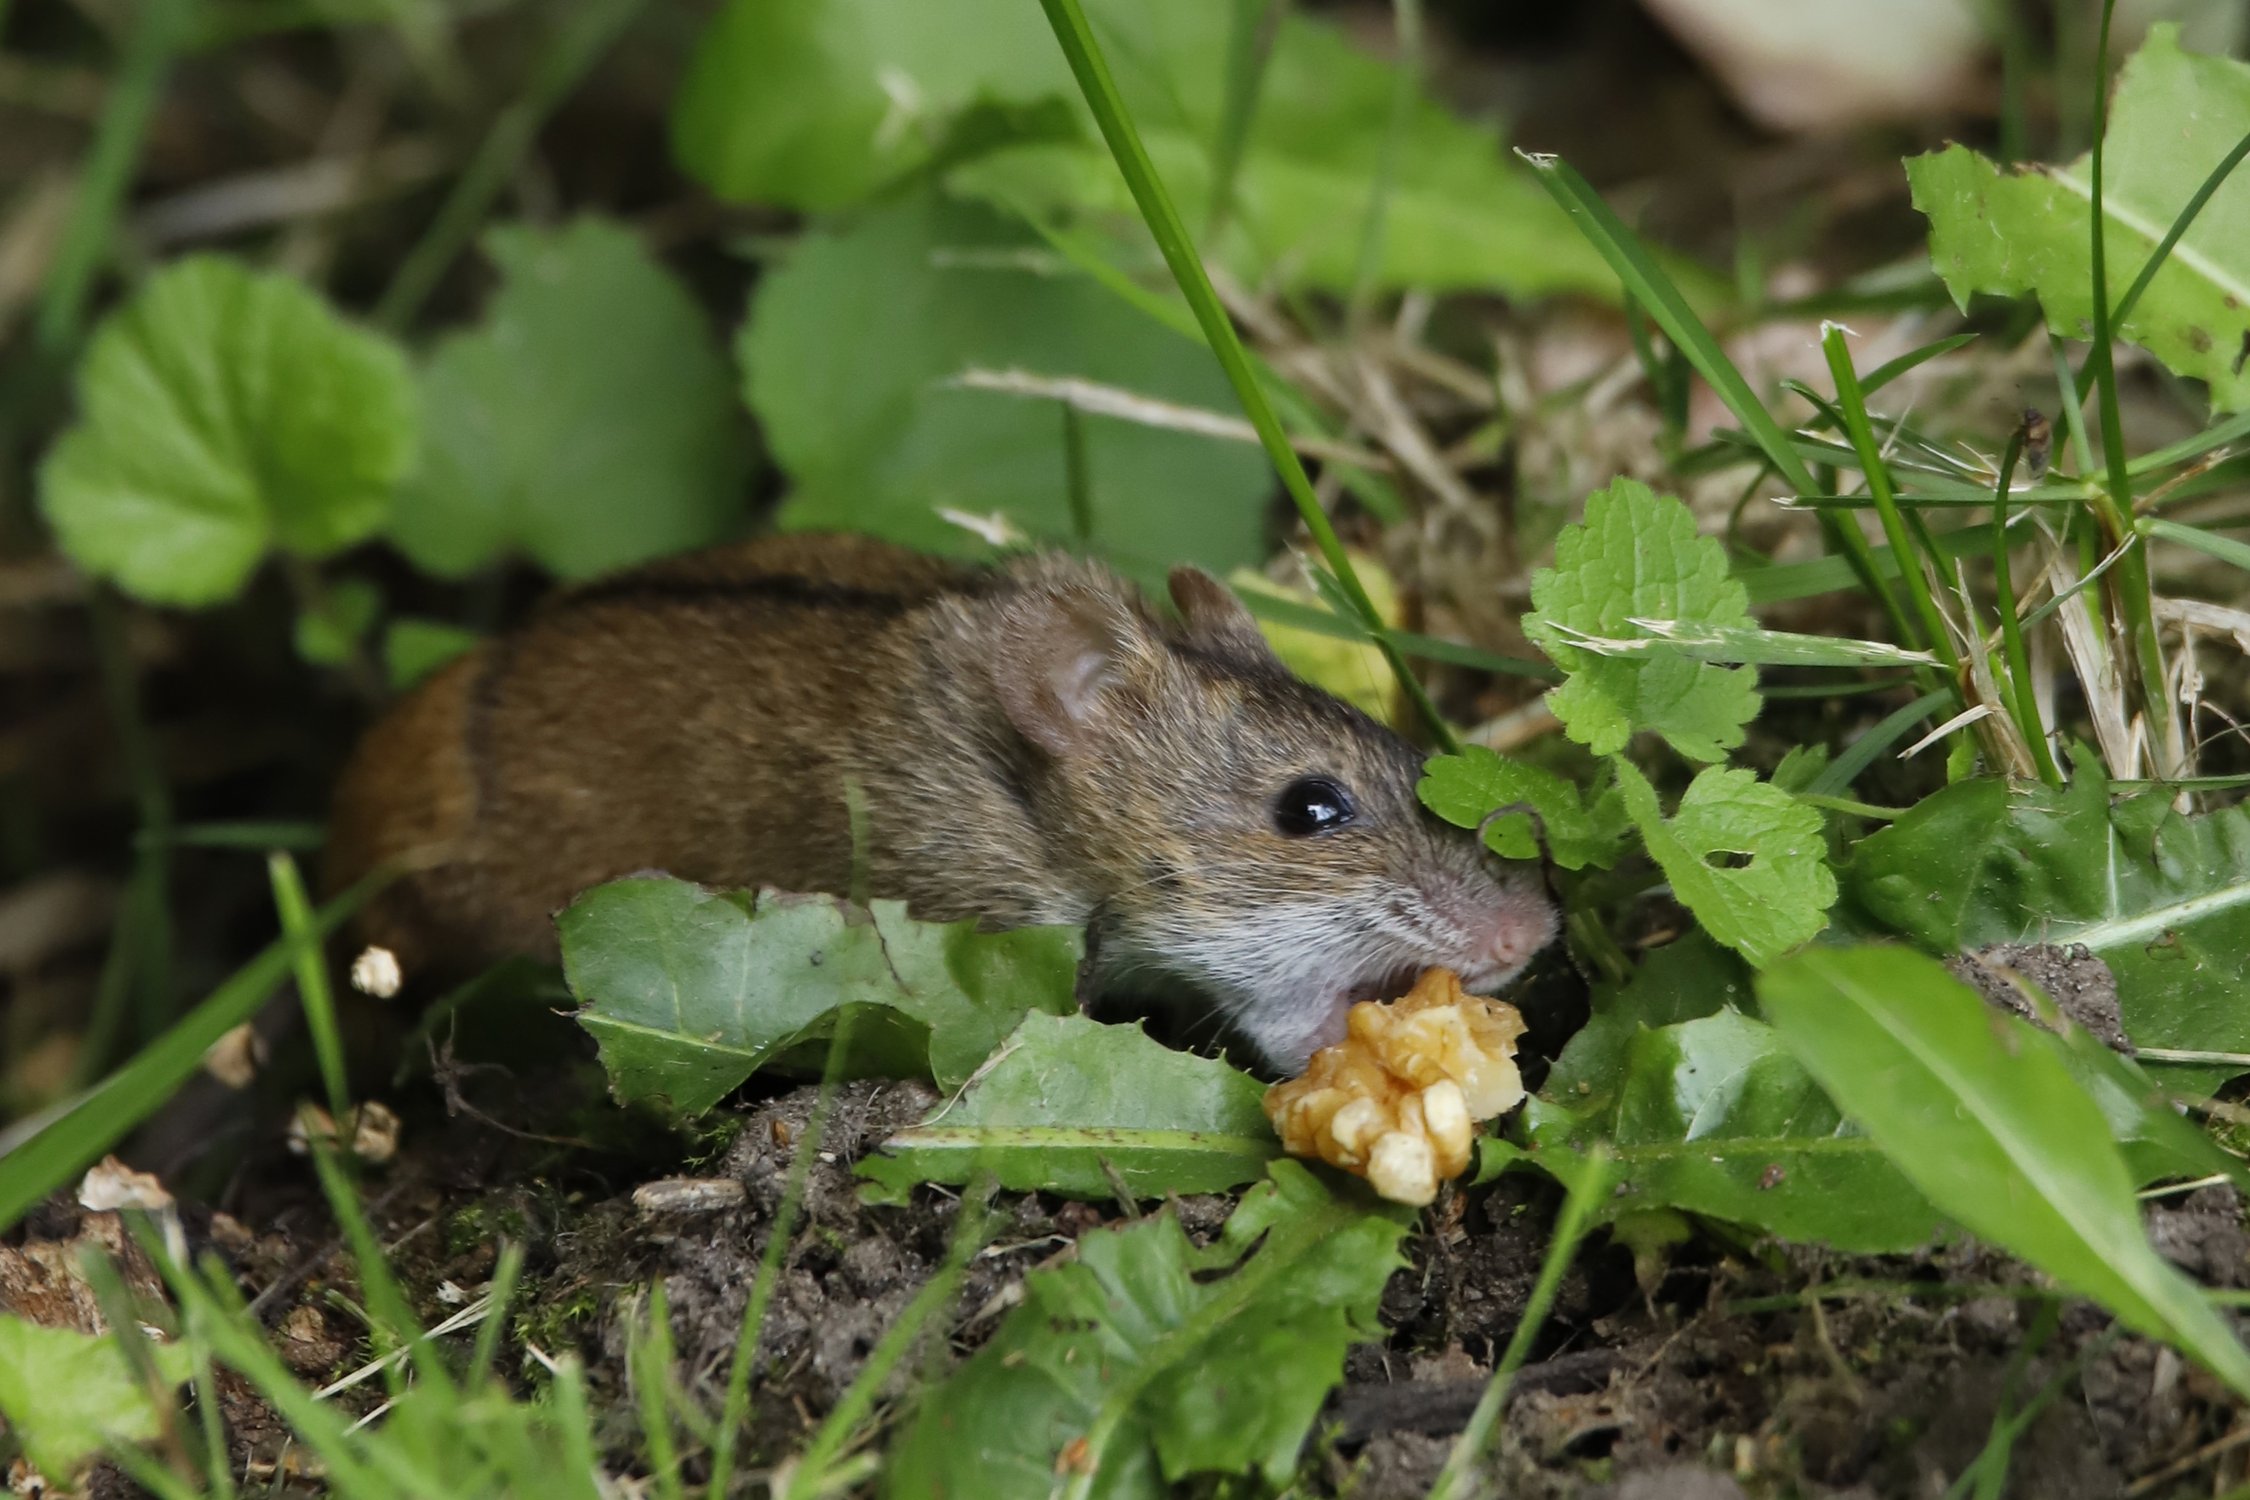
689	991
1635	557
223	411
590	422
852	340
2163	898
413	649
1983	1114
819	106
1066	1102
1747	858
2173	117
67	1394
328	632
1147	1359
1466	789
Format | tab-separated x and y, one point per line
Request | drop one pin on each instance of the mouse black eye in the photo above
1310	805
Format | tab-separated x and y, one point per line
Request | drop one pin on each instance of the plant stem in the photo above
2023	700
1406	87
311	965
2135	614
1251	30
1092	72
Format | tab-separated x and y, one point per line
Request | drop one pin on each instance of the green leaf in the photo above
223	412
1466	789
690	991
1637	557
1779	893
819	107
2163	898
1147	1359
1983	1114
2173	116
413	649
332	627
852	391
1712	1115
590	422
1066	1102
67	1394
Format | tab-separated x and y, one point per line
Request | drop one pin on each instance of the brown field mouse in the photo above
1035	742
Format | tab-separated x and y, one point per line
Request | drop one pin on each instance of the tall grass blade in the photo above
1092	72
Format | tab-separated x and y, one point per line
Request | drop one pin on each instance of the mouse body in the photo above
1034	742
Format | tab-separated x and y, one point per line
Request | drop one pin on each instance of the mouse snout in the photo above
1501	925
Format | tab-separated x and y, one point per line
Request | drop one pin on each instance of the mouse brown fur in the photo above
1034	741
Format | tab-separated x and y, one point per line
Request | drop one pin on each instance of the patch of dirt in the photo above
2071	974
1726	1377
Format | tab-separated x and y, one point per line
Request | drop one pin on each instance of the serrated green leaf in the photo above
689	991
1468	788
1066	1102
2173	117
1638	557
2163	898
1146	1360
589	422
1983	1114
1777	896
223	412
67	1394
852	391
819	107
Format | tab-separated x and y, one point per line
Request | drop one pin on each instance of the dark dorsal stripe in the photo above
662	590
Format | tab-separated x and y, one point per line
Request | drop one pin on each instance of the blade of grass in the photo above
2224	548
390	1315
1933	635
1406	88
1251	28
579	40
735	1410
1076	39
77	1138
501	1293
158	29
144	927
311	965
2024	701
2129	590
1841	772
1456	1481
812	1476
648	1361
263	836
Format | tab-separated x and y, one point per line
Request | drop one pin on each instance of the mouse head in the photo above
1233	830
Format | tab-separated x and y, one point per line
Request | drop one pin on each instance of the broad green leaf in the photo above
223	412
2173	116
1145	1360
690	991
1685	980
821	106
589	422
1466	789
852	391
1637	557
1983	1114
2163	898
1713	1116
67	1394
1747	858
1067	1102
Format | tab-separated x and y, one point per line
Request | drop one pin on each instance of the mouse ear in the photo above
1216	617
1063	657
